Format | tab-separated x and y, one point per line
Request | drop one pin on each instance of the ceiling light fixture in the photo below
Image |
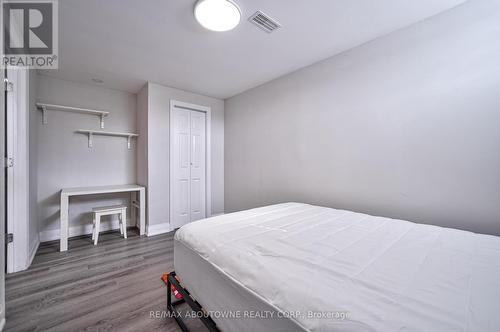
217	15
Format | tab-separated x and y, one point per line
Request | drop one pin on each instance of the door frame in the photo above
208	153
17	189
2	202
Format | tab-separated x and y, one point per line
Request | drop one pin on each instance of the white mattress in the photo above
388	275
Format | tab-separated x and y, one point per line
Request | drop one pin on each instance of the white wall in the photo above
406	126
142	145
142	140
158	130
64	159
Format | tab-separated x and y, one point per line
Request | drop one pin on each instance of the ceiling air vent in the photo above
264	22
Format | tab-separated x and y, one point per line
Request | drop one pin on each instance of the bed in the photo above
299	267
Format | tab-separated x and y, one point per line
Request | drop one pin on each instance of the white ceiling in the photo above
128	42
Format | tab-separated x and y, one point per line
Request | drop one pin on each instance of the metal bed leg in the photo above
171	309
186	298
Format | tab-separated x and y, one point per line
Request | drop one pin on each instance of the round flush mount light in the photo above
217	15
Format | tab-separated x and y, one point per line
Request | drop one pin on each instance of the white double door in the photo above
187	166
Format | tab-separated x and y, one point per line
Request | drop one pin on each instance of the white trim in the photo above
2	201
17	129
77	230
208	163
158	229
33	251
10	152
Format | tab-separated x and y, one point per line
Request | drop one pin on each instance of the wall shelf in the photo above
45	107
90	133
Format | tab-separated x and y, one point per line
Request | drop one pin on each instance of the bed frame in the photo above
186	298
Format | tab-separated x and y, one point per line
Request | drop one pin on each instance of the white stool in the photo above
121	210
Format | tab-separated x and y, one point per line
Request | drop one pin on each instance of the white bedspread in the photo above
388	275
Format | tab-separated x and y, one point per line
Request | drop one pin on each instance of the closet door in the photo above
180	163
187	166
198	158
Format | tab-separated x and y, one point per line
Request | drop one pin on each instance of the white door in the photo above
2	210
187	166
17	172
198	169
11	150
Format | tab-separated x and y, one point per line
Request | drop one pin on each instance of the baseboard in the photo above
32	253
2	324
165	227
153	230
77	230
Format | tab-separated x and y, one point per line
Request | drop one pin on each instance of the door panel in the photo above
184	198
181	167
198	165
195	197
188	166
183	151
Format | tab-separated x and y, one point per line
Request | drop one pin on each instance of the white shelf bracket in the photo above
91	133
90	139
51	107
44	115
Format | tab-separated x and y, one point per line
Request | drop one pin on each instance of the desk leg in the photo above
64	223
142	211
133	209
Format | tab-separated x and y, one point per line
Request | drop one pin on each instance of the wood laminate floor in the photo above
113	286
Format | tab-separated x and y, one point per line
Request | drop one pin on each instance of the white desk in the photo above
132	188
